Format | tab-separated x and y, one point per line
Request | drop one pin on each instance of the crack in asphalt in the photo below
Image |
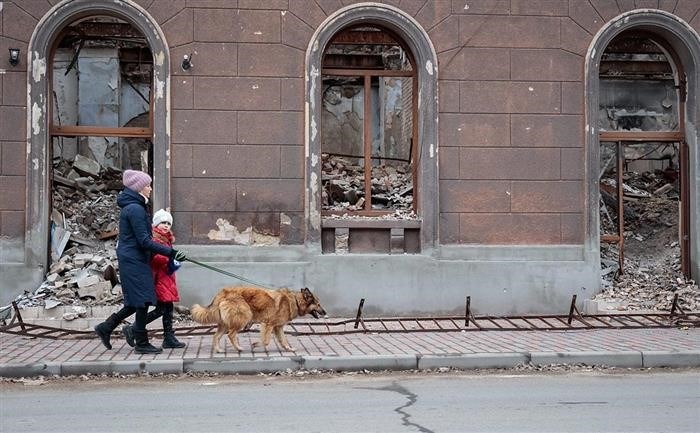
401	410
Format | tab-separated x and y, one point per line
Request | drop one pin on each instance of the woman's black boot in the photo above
104	329
142	344
128	332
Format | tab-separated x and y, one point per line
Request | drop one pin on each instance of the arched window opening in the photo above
101	83
368	132
644	192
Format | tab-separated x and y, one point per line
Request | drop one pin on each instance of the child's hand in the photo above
173	265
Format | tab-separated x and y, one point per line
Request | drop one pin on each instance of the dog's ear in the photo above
306	293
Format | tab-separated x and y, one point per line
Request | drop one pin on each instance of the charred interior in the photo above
643	195
368	175
367	124
102	72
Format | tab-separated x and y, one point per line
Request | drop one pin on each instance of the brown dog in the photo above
234	307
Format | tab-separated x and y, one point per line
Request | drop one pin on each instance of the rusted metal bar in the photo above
467	311
571	309
418	324
366	73
367	139
515	325
455	324
605	324
18	315
438	325
403	326
359	313
493	320
616	318
632	318
620	207
674	305
97	131
651	319
641	136
524	319
566	323
684	156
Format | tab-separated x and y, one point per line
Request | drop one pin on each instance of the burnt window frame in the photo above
622	138
352	34
94	130
38	98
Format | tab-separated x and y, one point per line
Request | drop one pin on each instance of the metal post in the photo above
467	311
674	306
571	309
359	312
18	315
620	206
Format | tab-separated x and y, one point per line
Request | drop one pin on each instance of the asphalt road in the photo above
610	401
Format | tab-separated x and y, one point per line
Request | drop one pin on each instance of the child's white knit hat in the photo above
162	215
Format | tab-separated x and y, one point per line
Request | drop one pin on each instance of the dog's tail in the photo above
206	315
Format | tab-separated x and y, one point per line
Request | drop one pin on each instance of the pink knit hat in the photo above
136	180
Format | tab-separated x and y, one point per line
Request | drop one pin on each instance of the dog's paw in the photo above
290	349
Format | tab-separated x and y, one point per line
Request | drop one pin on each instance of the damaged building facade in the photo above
408	152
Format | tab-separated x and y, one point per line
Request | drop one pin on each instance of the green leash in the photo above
221	271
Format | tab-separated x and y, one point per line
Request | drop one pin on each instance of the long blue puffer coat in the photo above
134	250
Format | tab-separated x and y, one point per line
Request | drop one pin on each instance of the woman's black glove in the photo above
178	255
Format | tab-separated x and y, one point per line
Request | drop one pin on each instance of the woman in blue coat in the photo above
134	251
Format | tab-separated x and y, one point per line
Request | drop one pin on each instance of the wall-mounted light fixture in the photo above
187	62
14	56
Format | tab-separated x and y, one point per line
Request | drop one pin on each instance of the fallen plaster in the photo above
159	58
314	215
38	67
37	114
285	219
160	86
227	232
313	78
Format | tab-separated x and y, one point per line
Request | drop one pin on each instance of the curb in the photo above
626	359
665	358
473	360
242	365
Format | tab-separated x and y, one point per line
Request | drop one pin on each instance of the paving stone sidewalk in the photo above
632	348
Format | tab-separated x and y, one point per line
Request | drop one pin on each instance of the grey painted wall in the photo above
500	280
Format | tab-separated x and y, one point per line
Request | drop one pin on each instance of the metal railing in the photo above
470	323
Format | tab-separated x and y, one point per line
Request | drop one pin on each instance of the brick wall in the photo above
510	128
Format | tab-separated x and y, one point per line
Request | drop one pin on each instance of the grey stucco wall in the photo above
500	280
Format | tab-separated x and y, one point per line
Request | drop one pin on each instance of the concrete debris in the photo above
76	312
397	214
652	266
343	184
84	264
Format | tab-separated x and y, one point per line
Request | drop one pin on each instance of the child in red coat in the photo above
163	269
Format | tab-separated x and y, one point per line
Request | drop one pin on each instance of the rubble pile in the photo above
652	266
84	228
343	185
